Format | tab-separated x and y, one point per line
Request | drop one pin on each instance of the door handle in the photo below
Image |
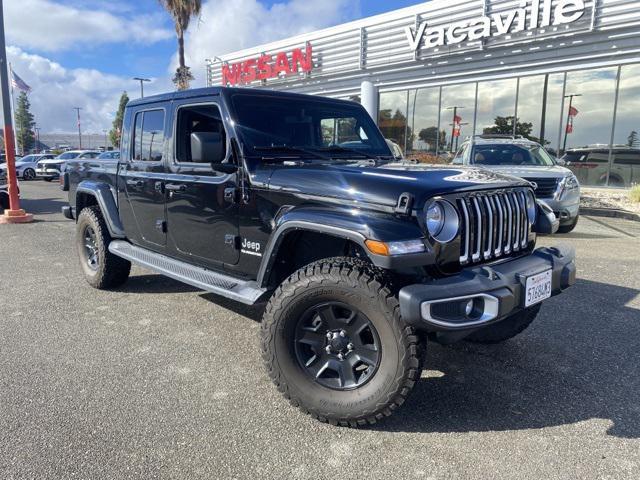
172	187
135	183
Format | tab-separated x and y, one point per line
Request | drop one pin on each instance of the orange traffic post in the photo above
15	214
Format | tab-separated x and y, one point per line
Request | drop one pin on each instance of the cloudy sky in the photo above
84	52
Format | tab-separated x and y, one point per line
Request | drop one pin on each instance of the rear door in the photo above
141	175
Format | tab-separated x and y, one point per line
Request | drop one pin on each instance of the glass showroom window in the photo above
625	167
587	122
392	117
424	141
496	107
457	101
530	101
553	113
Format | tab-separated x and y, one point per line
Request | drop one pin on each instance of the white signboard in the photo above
541	14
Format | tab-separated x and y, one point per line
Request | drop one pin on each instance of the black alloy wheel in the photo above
91	248
337	345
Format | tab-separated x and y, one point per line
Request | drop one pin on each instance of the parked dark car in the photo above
297	201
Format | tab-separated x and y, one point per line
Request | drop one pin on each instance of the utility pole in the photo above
77	109
15	214
141	80
105	139
566	126
37	130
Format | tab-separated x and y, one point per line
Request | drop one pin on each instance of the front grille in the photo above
546	187
493	225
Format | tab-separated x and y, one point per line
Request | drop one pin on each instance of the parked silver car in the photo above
26	166
523	158
50	169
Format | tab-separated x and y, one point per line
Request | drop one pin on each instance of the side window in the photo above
200	134
148	136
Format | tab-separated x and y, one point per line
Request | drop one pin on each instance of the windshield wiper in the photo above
290	148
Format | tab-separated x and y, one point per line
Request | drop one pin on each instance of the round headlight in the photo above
442	221
531	208
435	218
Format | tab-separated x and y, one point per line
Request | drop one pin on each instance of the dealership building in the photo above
435	73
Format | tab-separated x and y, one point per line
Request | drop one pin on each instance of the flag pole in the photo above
15	214
13	102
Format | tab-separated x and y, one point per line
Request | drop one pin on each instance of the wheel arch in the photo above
90	193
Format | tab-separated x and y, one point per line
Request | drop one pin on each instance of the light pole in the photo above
15	214
141	80
77	109
37	130
570	97
453	125
105	139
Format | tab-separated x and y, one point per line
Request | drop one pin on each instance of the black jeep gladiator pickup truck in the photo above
296	201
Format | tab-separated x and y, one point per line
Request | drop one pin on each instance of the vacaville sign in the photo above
541	14
268	66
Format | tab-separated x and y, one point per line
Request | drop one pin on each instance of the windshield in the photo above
67	155
306	126
528	155
28	158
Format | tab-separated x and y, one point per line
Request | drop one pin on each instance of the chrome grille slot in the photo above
492	225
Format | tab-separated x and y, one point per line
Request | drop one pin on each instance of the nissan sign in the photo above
268	66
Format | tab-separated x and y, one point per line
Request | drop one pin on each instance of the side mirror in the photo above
546	221
561	162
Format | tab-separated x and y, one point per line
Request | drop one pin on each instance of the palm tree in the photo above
181	11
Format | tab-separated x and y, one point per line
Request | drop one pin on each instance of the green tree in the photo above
24	124
504	126
430	134
182	11
632	139
116	129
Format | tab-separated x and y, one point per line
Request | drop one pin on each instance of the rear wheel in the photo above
507	328
334	344
47	179
28	174
101	268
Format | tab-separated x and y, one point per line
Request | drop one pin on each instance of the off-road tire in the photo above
569	227
361	285
505	329
112	271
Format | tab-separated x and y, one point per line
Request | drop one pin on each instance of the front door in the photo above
142	173
202	213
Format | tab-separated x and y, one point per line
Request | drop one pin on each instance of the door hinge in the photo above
161	225
232	241
230	195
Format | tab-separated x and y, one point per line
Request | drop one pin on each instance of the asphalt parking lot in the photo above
159	380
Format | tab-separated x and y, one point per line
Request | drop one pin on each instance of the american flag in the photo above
18	83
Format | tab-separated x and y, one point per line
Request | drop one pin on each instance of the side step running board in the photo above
224	285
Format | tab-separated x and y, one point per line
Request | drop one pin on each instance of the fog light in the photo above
468	308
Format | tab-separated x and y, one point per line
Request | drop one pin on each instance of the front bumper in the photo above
565	210
498	290
47	172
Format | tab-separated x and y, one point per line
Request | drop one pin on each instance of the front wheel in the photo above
101	268
28	174
334	344
568	227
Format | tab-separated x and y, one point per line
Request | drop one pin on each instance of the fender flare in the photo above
106	201
343	225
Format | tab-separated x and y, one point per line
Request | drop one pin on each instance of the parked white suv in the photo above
523	158
50	169
26	166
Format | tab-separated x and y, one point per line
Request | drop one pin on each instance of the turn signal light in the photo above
379	248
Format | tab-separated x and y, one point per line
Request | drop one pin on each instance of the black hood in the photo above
383	185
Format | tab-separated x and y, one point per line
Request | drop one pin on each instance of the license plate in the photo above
537	288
